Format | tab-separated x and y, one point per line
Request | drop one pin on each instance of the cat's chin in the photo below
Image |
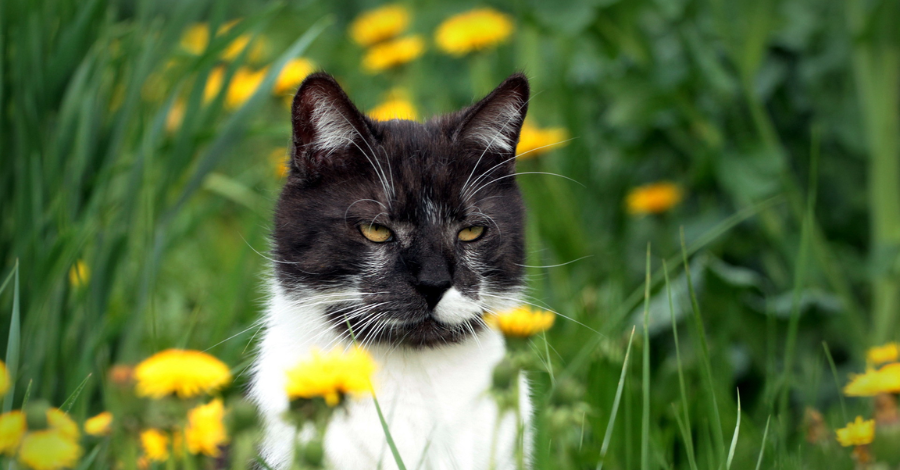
430	332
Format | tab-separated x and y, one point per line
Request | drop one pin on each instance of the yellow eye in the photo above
376	233
470	234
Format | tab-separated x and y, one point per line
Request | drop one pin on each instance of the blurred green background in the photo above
778	120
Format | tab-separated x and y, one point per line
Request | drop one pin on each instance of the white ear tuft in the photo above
494	123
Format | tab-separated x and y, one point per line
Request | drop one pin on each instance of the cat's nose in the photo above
433	290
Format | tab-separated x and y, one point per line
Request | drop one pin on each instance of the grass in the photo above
782	133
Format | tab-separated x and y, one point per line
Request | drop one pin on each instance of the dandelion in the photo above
12	428
237	46
474	30
857	433
522	321
292	74
79	274
243	85
59	421
183	372
205	431
49	449
534	141
653	198
883	354
395	107
121	374
99	425
196	39
874	382
4	378
393	53
379	24
213	84
175	116
331	375
155	444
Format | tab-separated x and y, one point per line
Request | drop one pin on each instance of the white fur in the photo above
436	400
333	129
493	128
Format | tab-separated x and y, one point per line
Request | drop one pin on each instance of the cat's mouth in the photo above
422	331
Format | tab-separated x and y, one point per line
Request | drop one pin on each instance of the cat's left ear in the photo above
494	123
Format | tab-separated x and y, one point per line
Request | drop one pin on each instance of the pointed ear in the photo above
326	124
494	122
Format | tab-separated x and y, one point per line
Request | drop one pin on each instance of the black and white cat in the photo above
410	232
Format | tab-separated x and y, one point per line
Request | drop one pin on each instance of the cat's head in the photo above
406	232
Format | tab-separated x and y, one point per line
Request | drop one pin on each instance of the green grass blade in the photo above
689	440
645	371
734	437
762	448
9	277
27	394
716	423
12	346
89	460
387	435
612	417
837	381
67	405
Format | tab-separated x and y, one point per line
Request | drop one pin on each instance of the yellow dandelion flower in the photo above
522	321
182	372
79	274
213	84
292	75
882	354
243	85
653	198
390	54
279	160
396	106
380	24
205	431
4	378
175	116
195	38
473	30
534	141
12	428
155	444
857	433
237	46
874	382
58	420
99	425
49	449
331	375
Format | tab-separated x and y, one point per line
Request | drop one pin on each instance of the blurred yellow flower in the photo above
183	372
874	382
473	30
521	322
121	374
857	433
534	141
12	428
280	162
58	420
50	449
395	107
205	431
175	116
155	444
79	274
292	75
331	375
380	24
243	84
390	54
653	198
99	425
4	378
196	39
213	84
881	354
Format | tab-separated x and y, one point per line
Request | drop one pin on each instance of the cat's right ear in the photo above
326	125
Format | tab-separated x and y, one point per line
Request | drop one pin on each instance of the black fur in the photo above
333	189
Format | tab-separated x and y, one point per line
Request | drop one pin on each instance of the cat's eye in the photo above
470	234
376	233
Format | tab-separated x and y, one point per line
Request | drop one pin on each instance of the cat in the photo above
409	232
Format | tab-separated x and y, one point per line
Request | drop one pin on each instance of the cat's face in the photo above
406	232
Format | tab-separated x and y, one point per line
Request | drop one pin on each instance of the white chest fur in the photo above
435	401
